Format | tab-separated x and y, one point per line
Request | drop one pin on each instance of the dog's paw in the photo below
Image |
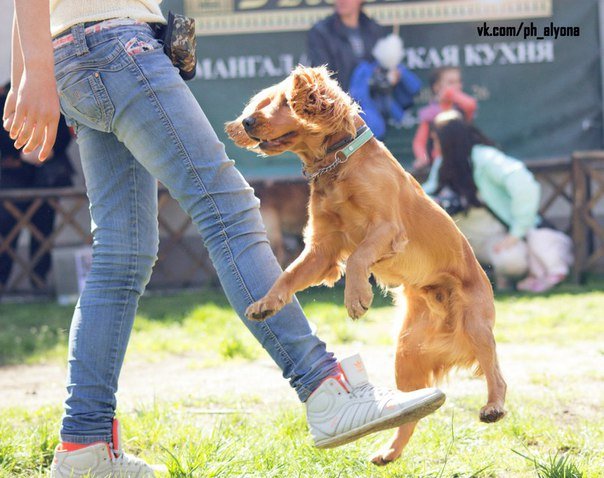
384	457
358	300
264	308
491	413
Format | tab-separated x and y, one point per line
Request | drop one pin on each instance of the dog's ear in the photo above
236	132
318	100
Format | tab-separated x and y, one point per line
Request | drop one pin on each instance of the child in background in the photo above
384	88
446	85
498	201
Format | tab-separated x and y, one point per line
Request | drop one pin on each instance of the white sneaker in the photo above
347	407
99	460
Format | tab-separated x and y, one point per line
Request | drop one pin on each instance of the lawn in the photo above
551	349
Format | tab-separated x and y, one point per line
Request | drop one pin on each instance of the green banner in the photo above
533	66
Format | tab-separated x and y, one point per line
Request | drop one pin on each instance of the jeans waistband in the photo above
80	30
81	38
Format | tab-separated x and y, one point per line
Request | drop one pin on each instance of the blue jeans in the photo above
136	121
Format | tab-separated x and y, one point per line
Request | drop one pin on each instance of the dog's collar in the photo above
343	149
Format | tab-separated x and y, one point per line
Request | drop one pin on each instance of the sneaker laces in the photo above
362	391
367	390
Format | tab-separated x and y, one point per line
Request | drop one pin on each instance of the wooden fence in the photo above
573	194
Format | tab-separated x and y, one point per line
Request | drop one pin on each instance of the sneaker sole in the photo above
422	408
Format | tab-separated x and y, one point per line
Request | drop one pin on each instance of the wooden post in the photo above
579	230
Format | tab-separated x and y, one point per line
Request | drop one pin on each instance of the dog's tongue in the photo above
354	370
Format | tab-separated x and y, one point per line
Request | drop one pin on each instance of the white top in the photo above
66	13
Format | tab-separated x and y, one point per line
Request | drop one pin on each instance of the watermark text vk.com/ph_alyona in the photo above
528	30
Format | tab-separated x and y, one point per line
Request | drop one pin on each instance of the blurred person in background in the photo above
344	39
24	171
447	90
384	88
494	200
366	61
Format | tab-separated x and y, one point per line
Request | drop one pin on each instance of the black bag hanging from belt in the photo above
180	43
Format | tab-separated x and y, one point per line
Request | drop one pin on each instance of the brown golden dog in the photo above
369	216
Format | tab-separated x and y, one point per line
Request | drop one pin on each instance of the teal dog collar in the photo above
344	152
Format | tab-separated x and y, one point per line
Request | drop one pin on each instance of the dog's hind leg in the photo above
479	334
413	370
413	379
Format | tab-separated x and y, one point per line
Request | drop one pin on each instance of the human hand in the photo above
420	163
33	157
32	115
507	242
9	108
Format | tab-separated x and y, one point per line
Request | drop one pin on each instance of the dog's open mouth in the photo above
273	143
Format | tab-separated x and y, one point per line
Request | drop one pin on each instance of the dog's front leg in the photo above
381	241
314	266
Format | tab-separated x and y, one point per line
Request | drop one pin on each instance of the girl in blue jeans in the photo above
137	122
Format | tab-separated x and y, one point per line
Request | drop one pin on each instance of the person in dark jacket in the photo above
343	40
24	171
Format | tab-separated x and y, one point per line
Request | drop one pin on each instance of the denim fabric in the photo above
136	121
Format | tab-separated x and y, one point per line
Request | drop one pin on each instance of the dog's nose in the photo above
249	122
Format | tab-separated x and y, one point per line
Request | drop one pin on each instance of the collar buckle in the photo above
344	152
341	156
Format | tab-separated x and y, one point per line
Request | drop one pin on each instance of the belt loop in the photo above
79	39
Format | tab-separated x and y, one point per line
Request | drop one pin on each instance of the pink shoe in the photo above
539	284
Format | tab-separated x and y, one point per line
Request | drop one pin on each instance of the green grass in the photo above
557	466
451	443
200	322
539	438
204	322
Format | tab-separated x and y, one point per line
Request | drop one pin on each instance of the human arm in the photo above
32	122
10	103
420	141
406	86
359	83
466	103
408	82
508	241
431	185
519	184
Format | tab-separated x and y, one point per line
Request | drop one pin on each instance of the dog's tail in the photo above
446	301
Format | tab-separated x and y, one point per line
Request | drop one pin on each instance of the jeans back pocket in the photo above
84	98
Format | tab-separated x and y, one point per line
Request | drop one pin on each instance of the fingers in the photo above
9	111
32	129
8	121
35	139
49	141
18	119
25	133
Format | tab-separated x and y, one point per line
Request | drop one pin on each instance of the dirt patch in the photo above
530	370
